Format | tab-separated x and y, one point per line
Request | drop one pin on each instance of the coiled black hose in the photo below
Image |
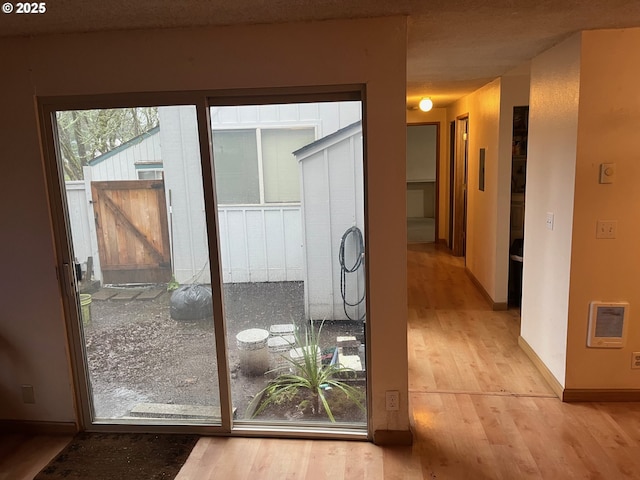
344	270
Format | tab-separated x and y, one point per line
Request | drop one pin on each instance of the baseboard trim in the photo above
38	428
497	306
393	437
553	382
443	242
600	395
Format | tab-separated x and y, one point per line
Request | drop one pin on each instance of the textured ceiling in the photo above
454	46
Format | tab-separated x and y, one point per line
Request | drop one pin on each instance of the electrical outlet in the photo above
28	395
393	400
635	360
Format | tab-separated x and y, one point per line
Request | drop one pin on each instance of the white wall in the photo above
483	108
551	162
191	59
421	152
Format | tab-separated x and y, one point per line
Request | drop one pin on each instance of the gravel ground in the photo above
138	354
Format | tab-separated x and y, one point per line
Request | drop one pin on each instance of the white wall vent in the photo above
607	324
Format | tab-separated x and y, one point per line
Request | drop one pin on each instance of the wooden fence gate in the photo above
132	231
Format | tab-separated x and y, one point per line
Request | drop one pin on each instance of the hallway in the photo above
480	408
456	342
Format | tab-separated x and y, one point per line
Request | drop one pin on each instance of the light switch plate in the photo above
549	221
606	229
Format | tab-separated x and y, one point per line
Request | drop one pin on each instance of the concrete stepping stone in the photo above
282	330
126	295
150	294
104	294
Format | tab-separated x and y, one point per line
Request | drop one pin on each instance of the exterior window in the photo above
150	175
236	157
255	166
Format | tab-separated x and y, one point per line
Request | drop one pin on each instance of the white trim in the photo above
335	138
260	164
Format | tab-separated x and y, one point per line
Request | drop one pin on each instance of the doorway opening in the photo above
459	175
422	182
518	187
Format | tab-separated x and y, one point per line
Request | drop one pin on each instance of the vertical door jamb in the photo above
460	186
208	172
64	262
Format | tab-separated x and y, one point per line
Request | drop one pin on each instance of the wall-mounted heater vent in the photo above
607	324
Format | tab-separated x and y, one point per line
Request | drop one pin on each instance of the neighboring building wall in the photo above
551	162
326	117
275	242
258	243
606	270
121	164
256	56
332	203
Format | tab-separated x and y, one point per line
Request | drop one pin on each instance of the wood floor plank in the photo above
23	456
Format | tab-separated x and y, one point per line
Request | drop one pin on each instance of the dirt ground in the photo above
138	354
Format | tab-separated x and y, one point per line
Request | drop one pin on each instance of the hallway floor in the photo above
480	409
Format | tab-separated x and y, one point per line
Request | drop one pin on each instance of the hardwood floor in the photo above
456	342
480	409
22	456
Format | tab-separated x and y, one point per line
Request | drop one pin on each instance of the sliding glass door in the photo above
133	189
289	183
212	261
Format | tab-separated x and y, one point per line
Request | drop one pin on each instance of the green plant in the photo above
172	285
308	374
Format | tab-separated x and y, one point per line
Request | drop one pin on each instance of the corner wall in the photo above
325	53
551	161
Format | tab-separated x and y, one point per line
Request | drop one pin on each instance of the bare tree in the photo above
86	134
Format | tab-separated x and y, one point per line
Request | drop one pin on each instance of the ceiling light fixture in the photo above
425	104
